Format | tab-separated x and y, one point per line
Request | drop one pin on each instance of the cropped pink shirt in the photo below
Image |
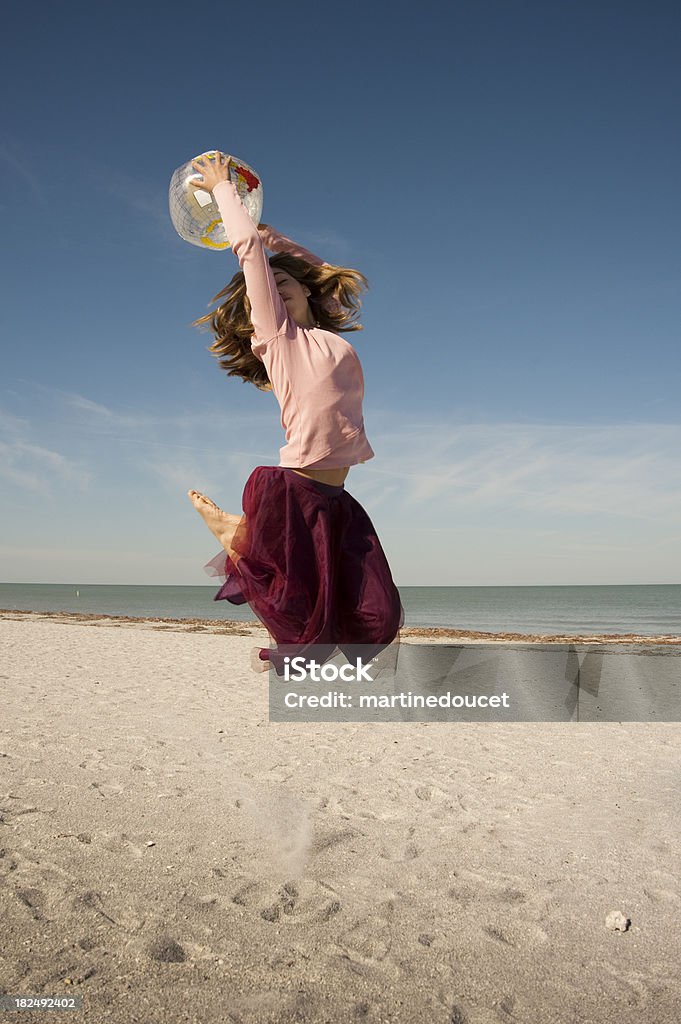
316	375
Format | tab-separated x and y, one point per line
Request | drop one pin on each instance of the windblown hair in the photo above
334	300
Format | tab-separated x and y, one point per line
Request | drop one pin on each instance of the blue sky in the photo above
504	173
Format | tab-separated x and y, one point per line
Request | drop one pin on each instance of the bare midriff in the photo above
335	477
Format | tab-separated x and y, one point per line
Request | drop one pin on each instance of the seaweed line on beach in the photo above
236	628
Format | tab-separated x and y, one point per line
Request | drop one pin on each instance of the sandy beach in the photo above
168	854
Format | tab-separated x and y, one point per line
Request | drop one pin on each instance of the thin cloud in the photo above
428	473
37	468
221	423
10	424
87	405
626	471
149	200
14	154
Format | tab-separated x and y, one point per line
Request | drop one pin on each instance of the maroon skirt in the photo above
309	563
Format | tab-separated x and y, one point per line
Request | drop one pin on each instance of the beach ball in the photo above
195	214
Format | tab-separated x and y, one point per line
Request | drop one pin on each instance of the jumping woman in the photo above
304	554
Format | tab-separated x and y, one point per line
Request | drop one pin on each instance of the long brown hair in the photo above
334	300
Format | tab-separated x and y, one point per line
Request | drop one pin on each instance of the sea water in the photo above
648	610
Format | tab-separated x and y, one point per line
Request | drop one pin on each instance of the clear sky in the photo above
506	174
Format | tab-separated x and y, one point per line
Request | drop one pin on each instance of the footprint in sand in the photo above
122	844
370	937
33	900
329	840
293	901
661	895
441	801
401	854
107	789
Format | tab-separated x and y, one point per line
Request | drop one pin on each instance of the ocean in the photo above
648	610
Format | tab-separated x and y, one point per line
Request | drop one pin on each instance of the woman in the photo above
304	554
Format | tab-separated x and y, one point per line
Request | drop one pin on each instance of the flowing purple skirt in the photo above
309	563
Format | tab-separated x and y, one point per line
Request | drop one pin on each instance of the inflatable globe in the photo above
194	213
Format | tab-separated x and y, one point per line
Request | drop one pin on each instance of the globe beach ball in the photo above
194	212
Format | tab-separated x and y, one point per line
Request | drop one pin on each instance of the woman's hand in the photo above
213	171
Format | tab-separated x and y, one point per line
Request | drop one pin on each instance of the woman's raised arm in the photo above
268	312
276	242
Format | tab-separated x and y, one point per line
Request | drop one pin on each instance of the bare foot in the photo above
256	663
221	524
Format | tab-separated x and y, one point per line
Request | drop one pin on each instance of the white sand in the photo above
416	872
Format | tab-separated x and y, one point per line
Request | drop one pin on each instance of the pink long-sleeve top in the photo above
316	375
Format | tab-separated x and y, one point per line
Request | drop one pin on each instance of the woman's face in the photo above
294	296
